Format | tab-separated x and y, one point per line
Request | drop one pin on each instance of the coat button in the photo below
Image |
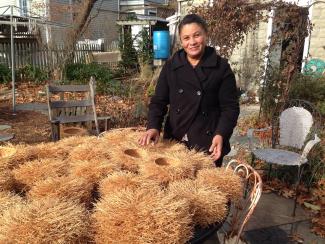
204	114
178	111
209	133
198	93
180	91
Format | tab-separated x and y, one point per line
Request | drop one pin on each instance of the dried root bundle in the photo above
93	170
7	152
208	204
7	181
37	170
124	136
166	168
119	181
44	221
142	216
92	150
225	180
8	200
128	158
36	152
66	187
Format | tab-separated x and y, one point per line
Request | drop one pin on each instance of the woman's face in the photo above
193	39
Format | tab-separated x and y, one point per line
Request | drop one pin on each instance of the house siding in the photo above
317	39
103	24
247	59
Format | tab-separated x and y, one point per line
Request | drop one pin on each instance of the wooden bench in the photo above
62	111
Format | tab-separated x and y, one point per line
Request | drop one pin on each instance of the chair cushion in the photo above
279	156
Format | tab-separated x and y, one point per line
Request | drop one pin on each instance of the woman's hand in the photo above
149	135
216	147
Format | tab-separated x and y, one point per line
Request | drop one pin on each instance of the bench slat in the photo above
69	88
70	104
73	119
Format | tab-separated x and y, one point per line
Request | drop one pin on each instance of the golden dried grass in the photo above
142	216
126	136
93	170
37	170
224	180
7	181
7	151
7	200
129	158
208	204
90	150
199	159
37	152
47	220
165	167
118	181
66	187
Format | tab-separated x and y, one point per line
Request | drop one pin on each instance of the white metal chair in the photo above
296	123
241	211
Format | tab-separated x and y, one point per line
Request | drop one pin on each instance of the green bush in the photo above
33	74
5	74
311	89
105	83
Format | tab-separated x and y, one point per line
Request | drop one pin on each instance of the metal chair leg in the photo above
300	170
253	160
269	173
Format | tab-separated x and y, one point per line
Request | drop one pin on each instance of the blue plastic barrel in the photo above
161	44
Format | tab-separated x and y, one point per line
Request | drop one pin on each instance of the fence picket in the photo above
31	53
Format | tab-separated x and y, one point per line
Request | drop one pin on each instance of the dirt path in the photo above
27	126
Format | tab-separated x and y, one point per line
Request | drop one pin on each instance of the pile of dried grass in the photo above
44	221
7	181
66	187
37	170
142	216
166	167
208	204
129	158
92	150
36	152
224	180
124	135
7	152
199	159
119	181
93	170
7	200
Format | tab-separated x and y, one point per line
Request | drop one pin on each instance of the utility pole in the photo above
12	59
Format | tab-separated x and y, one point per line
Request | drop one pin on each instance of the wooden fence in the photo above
31	53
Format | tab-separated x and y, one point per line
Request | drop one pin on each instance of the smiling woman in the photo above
200	89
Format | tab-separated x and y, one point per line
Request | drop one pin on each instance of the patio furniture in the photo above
79	107
242	210
296	124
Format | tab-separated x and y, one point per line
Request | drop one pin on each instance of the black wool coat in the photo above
202	101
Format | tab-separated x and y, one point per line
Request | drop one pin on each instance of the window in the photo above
23	7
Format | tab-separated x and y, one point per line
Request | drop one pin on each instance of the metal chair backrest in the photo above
295	125
243	210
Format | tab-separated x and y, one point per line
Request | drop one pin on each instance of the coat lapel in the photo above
199	77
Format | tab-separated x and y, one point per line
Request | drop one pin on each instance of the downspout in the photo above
307	40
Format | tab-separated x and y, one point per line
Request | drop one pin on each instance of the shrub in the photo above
5	74
104	78
311	89
32	73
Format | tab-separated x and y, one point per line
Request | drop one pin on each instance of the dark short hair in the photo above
192	18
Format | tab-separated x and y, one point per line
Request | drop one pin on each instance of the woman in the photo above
200	89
